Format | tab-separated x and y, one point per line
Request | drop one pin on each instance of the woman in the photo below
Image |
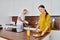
21	20
44	20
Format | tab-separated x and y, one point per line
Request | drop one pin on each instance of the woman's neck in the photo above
44	12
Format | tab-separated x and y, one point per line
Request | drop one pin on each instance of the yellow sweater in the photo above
44	22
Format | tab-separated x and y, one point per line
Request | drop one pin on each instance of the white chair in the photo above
55	35
52	22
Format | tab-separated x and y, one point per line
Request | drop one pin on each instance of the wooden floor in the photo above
18	36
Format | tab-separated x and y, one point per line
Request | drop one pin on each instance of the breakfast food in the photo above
36	35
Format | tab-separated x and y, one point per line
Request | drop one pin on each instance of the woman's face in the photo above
41	9
24	12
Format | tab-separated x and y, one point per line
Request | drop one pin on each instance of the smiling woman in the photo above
44	20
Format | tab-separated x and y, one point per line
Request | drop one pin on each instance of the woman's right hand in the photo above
26	22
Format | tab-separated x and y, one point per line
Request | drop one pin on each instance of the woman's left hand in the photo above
42	33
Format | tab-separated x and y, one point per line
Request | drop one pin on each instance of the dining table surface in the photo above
9	35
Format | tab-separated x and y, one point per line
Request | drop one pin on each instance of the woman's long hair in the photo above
45	10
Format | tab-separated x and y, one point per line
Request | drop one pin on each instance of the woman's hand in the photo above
26	22
42	33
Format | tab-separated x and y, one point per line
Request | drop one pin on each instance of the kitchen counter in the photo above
20	36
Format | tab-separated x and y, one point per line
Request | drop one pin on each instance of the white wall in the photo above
14	7
4	11
56	7
31	5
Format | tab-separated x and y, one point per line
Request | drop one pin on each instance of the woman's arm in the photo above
38	24
19	18
24	21
44	31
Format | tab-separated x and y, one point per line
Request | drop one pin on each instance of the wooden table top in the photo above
18	36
